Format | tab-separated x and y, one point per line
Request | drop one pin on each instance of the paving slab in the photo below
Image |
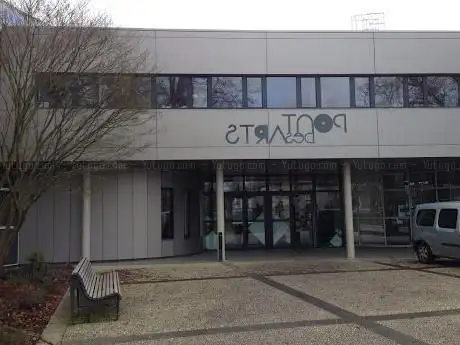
380	293
176	306
306	266
432	330
455	271
166	272
319	335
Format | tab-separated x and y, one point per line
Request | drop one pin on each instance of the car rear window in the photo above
425	217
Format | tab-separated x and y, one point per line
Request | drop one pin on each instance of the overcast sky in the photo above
280	14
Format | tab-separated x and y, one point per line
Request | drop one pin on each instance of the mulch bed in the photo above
27	305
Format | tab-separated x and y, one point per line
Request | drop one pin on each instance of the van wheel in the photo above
424	253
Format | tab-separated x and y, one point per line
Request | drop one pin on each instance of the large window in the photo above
415	90
199	92
227	92
254	92
65	90
308	92
173	92
388	91
335	92
129	91
442	91
167	213
281	92
362	92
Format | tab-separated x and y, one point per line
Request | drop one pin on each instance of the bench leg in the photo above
118	308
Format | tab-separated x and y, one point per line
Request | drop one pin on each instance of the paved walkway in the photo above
290	300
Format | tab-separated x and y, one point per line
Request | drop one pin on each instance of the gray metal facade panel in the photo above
62	223
154	242
140	221
96	217
109	216
45	225
75	218
125	216
28	234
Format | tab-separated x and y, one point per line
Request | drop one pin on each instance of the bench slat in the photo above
95	285
91	285
109	285
117	283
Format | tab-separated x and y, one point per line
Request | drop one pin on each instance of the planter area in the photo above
29	295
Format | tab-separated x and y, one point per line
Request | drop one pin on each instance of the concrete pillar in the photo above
220	207
86	216
348	206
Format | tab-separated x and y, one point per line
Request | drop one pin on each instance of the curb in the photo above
54	331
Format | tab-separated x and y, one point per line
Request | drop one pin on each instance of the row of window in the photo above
144	91
306	92
447	218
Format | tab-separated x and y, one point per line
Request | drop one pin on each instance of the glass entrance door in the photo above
279	222
303	220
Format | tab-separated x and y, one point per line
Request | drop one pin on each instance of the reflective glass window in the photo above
335	92
362	92
308	92
415	91
442	91
281	92
172	92
254	92
388	91
199	92
227	92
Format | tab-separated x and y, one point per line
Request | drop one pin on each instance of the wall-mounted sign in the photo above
297	129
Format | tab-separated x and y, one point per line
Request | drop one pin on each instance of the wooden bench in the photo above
90	290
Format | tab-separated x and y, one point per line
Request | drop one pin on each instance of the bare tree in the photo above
70	92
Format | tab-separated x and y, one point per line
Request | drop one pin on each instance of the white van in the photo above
436	231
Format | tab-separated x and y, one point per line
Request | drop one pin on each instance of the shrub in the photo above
29	297
37	266
50	285
11	336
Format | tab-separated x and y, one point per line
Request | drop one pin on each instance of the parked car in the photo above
436	231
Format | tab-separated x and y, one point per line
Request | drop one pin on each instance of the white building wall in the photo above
372	133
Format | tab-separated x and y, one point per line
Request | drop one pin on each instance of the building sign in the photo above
296	129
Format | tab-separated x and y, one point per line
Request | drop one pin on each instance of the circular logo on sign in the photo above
323	123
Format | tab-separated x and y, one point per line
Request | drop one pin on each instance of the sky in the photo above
279	14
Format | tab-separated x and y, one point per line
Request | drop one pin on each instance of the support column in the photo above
348	206
86	216
220	212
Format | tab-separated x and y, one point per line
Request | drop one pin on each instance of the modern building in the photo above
277	140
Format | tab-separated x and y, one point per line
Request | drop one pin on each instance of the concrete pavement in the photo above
291	300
